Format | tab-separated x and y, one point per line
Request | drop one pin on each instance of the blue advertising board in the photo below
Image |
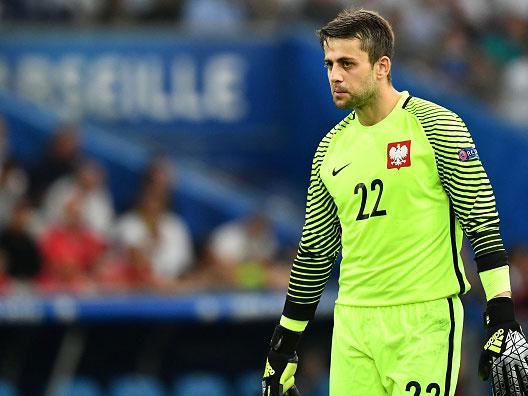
152	79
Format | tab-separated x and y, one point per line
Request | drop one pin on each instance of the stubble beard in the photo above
361	99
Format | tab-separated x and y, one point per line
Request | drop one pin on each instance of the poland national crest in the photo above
399	154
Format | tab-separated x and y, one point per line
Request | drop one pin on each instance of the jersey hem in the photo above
397	303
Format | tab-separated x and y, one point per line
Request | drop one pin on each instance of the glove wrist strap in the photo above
284	340
499	310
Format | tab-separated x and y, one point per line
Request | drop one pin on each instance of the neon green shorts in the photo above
406	350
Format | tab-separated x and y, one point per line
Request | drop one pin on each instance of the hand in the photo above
505	350
281	364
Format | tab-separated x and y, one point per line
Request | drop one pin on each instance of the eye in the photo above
347	64
327	65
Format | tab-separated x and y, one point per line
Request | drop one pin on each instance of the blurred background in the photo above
154	159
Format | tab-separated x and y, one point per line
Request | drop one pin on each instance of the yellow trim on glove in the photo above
287	379
292	324
495	281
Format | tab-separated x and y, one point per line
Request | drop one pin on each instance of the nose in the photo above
335	74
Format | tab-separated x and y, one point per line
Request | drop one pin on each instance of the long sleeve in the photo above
464	180
319	245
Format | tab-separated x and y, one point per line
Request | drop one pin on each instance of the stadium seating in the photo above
322	386
78	387
136	385
201	384
6	389
248	384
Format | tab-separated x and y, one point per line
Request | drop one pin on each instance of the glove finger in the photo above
484	367
523	367
509	365
520	372
498	384
293	391
288	384
265	387
510	374
523	377
275	388
271	387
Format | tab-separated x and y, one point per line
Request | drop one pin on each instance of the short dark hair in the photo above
374	32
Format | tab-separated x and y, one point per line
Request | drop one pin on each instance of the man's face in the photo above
351	76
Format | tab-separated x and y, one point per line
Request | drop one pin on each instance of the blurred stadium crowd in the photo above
59	227
59	232
474	46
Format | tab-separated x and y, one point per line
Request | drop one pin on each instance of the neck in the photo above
380	106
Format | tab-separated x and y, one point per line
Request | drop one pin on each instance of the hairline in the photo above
362	44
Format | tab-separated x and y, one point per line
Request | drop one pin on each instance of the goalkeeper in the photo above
394	186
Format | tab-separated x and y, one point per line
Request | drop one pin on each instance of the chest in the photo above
379	169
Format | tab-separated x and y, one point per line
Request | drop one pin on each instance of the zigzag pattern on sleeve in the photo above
320	241
465	182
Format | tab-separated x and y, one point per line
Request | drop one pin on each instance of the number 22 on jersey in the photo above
361	189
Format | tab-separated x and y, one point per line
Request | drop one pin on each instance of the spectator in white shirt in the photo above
162	235
88	182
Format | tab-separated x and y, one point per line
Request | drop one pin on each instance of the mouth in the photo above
339	94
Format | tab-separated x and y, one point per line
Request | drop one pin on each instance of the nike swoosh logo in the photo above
335	172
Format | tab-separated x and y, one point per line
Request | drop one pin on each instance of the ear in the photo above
383	68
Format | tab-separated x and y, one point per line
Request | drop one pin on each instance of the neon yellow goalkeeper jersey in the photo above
395	197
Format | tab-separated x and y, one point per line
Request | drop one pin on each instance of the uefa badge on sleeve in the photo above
399	154
468	154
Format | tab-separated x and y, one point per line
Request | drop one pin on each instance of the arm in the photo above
318	249
505	351
468	187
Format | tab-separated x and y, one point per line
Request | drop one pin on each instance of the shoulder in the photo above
174	221
330	135
131	230
444	129
60	188
431	114
129	227
229	229
130	218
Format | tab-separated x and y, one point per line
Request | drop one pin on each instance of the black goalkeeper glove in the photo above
505	352
281	364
